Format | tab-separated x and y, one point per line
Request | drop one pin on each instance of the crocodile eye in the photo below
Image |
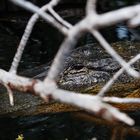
78	67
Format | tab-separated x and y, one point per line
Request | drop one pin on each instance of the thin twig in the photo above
58	18
10	93
65	49
114	54
91	7
116	75
31	7
121	100
28	31
113	17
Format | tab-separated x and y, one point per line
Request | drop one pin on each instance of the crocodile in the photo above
89	65
86	70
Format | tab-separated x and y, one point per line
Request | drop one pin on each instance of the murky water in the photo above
63	126
51	127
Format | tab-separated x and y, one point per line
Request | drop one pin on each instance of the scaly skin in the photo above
86	70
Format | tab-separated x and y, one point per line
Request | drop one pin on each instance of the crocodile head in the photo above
90	65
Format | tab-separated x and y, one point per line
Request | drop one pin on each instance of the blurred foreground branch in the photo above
48	88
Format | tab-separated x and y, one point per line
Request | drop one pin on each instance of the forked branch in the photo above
91	23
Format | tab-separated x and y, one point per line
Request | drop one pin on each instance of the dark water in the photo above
63	126
41	49
51	127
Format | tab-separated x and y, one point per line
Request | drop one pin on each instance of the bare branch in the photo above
116	75
90	23
134	21
31	7
91	7
53	3
121	100
10	93
93	103
28	31
65	49
23	43
113	17
58	18
114	54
